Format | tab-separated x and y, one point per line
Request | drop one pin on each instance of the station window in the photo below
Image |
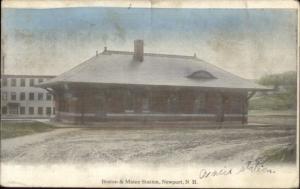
235	105
172	103
145	104
199	104
129	101
202	75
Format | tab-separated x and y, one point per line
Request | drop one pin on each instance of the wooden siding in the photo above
92	104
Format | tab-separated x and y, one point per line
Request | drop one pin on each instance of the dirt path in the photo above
167	146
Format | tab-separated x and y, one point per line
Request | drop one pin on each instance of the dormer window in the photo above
201	74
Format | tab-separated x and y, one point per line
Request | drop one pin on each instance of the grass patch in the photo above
285	154
11	129
273	112
273	102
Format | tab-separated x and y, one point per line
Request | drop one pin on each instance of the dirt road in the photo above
153	146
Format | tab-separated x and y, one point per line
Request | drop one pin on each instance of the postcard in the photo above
135	94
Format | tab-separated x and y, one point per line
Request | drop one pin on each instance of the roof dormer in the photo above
201	75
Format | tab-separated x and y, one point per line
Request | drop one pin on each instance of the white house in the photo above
21	99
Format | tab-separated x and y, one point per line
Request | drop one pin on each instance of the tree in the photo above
284	96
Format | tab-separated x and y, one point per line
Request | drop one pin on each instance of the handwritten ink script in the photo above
255	166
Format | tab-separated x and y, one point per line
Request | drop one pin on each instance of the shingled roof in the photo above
119	67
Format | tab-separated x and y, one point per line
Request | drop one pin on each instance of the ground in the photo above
11	129
153	145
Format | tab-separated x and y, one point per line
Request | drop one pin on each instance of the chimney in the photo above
138	54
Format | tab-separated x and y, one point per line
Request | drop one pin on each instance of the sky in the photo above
247	42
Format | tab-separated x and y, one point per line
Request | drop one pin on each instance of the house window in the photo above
22	82
22	110
49	96
53	111
31	96
4	82
31	82
14	109
48	110
31	110
4	95
13	82
13	96
22	96
40	96
4	110
40	80
40	110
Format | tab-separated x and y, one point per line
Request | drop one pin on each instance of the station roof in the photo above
119	67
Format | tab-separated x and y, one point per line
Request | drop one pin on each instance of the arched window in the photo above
201	74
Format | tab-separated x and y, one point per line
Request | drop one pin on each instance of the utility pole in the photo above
2	65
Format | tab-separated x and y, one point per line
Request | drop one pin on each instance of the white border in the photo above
33	179
237	4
